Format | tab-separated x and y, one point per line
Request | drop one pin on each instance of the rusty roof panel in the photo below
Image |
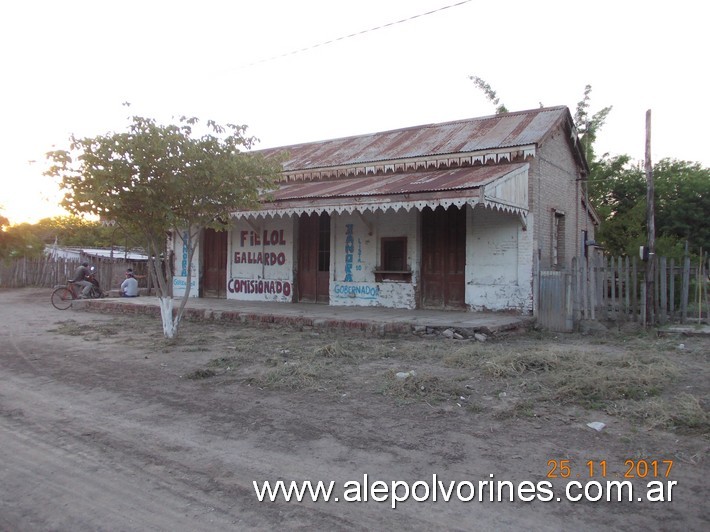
393	184
486	133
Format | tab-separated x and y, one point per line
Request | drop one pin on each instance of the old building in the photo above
449	215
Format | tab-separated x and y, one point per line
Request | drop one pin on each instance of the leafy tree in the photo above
682	199
29	240
157	180
588	127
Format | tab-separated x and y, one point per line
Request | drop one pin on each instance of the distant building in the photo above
110	263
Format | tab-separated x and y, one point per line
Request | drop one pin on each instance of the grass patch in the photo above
223	362
201	374
302	375
427	388
683	412
69	328
333	350
566	374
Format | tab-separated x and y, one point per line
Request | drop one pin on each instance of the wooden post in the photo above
585	288
634	289
671	288
626	288
536	283
593	288
663	315
685	286
575	289
612	286
651	227
700	287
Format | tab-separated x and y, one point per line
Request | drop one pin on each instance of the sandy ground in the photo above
100	429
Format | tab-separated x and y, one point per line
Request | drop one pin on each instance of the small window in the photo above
393	265
394	254
558	239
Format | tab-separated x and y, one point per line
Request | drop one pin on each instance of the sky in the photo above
283	68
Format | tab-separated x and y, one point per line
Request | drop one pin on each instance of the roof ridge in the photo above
419	127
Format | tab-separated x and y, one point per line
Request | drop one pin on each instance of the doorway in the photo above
214	263
443	258
314	258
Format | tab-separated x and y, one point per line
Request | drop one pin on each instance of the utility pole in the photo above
651	228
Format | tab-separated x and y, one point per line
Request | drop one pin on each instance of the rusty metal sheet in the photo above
485	133
395	184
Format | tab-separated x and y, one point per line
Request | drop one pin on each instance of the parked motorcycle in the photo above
96	290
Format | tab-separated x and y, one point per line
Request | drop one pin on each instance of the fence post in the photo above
593	288
627	295
569	306
612	287
685	286
663	288
536	284
671	288
575	291
634	288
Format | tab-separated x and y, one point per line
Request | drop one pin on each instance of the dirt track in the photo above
99	430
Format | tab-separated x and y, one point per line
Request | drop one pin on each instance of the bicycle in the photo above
63	296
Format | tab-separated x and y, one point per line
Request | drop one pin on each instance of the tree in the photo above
481	84
682	198
588	127
160	180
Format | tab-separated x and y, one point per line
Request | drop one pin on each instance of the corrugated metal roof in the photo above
485	133
395	184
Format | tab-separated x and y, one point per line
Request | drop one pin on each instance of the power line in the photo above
356	34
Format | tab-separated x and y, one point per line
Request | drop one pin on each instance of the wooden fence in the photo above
48	271
614	289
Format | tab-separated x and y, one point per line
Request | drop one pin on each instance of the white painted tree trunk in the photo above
166	314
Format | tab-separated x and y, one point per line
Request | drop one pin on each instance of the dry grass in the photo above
310	375
682	412
638	377
429	388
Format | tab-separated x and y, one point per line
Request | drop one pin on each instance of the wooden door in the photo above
314	258
214	263
443	258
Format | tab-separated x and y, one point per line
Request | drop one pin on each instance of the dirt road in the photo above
100	429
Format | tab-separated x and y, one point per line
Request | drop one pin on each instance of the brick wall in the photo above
555	191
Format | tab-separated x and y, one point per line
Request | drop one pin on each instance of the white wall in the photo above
261	256
498	261
355	254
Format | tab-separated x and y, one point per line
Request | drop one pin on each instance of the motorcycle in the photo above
96	291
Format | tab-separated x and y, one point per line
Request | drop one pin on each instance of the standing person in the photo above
129	287
81	277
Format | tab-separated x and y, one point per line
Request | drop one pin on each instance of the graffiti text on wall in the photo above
267	259
183	269
349	250
268	238
357	291
259	286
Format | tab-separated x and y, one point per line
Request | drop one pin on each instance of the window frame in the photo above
386	271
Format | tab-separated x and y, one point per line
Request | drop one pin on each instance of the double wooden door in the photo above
443	258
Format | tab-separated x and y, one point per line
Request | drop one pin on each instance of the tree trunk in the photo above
166	314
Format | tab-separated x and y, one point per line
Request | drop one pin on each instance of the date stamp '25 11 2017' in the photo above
641	469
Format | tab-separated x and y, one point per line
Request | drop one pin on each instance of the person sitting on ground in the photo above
129	287
81	277
130	270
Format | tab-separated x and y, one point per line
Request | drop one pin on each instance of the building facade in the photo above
442	216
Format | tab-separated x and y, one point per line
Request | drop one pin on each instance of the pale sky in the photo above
68	66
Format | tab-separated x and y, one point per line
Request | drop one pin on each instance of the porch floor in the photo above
324	316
